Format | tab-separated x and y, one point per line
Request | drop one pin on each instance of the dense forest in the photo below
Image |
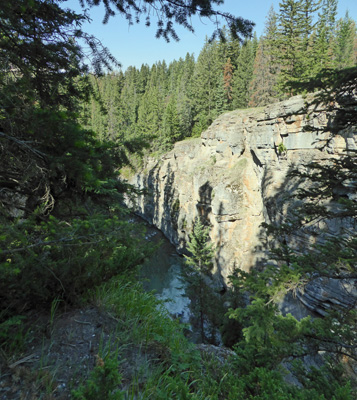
74	320
167	103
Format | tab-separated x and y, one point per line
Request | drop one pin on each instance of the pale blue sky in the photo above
136	45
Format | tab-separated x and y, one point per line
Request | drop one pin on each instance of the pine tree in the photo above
324	36
326	194
204	86
129	99
111	90
233	49
198	266
290	41
266	69
183	92
243	75
345	40
143	78
222	102
60	178
308	11
180	12
227	80
149	113
171	124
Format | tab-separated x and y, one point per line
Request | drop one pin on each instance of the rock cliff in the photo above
235	176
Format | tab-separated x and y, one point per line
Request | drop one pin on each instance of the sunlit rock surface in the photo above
235	176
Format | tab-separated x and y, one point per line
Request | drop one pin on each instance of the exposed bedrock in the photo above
235	176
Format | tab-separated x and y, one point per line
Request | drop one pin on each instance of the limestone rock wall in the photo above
235	176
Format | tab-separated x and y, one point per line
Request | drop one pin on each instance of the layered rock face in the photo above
235	177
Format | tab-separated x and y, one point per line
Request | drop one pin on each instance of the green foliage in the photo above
202	252
171	123
290	39
178	369
324	382
144	323
345	42
282	148
243	75
48	161
270	339
205	303
178	12
163	104
62	231
61	226
62	259
326	194
325	36
103	382
12	333
206	80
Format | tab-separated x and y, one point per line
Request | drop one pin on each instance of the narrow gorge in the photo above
236	177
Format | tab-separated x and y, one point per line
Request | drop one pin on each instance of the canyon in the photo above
235	177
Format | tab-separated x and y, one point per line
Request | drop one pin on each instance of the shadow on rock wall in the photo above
204	210
296	233
204	205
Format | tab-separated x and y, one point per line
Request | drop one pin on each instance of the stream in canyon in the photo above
161	273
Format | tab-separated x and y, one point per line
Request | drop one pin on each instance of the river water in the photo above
161	273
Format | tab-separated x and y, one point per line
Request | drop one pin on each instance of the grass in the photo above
141	314
143	354
171	366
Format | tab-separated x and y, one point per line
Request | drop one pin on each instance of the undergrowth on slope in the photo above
173	368
140	352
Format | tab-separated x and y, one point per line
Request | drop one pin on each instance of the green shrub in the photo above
103	383
282	148
61	259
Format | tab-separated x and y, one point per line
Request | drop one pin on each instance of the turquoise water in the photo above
161	273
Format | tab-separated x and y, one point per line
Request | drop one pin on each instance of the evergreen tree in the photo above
143	78
308	11
40	104
265	71
110	96
129	99
345	41
161	79
149	113
93	113
233	49
171	124
243	75
325	36
290	41
227	80
204	86
198	267
326	194
174	74
183	92
58	177
222	102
